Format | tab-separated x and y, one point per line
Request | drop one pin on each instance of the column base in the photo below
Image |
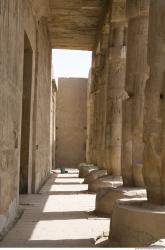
86	169
136	223
84	164
137	175
95	174
106	198
106	181
159	243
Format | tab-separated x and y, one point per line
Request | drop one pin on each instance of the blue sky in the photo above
71	63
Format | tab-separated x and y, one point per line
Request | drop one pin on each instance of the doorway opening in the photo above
25	126
72	69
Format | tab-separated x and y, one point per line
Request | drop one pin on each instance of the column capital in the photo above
136	8
118	11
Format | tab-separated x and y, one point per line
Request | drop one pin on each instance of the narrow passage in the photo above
59	216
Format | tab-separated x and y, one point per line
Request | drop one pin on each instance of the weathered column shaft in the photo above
133	106
102	95
104	115
94	108
93	95
97	100
154	119
117	52
89	120
99	105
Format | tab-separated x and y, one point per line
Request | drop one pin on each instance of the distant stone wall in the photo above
71	122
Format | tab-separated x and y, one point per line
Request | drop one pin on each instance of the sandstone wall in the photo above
16	19
43	150
29	27
11	48
71	121
53	124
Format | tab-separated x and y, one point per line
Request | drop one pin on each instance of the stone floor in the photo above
59	216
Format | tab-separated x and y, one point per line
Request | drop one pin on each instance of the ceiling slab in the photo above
73	24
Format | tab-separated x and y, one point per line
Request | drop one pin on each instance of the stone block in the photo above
83	164
106	181
95	175
136	223
86	169
159	243
106	198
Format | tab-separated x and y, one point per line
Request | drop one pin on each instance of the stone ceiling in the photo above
74	24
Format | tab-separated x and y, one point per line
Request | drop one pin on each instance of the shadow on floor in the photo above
70	215
51	216
63	243
66	192
68	183
58	243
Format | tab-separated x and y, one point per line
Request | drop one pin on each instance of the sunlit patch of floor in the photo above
60	216
69	180
69	187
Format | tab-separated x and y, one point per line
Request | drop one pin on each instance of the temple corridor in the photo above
61	215
107	128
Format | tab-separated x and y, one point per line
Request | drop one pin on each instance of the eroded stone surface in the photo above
97	98
153	170
83	164
95	174
159	243
136	223
85	170
133	106
18	26
106	198
115	89
106	181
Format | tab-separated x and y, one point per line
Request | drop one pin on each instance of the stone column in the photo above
154	120
96	104
91	142
92	119
149	218
99	93
98	96
102	94
117	59
133	106
99	105
125	125
89	120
